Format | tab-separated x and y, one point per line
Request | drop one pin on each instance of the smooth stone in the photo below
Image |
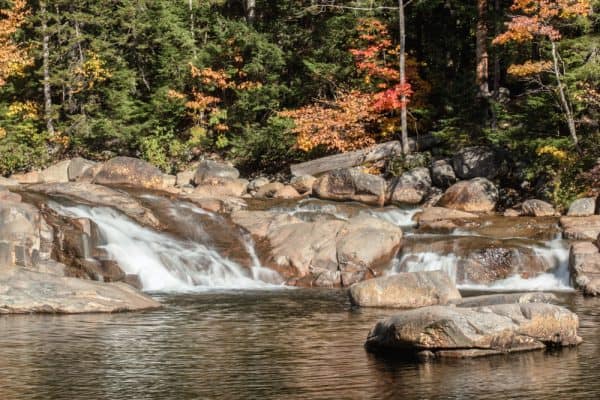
211	169
537	208
405	290
584	264
508	298
581	228
476	195
474	162
132	172
351	184
584	207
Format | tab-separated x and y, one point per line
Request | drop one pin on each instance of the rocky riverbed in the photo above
84	237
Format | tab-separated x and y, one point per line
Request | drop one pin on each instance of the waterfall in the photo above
166	263
555	254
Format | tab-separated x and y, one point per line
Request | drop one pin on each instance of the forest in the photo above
267	83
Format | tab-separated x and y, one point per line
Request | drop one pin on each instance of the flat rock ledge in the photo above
584	263
454	332
405	290
24	292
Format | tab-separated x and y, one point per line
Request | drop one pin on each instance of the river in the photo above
273	344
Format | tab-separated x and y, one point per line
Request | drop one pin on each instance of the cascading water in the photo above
165	263
554	253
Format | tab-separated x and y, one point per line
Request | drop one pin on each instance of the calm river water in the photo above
296	344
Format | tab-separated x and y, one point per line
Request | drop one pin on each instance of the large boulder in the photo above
474	162
405	290
448	331
475	195
132	172
583	207
209	170
97	195
537	208
78	168
581	228
325	252
584	263
411	187
442	174
351	184
23	292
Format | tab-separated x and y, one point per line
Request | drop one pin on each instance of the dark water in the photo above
266	345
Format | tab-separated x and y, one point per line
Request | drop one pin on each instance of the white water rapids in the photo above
166	263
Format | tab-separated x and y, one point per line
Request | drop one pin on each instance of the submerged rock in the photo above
449	331
327	252
584	263
405	290
351	184
23	292
581	228
128	171
476	195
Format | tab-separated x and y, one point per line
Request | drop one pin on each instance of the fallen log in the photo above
358	157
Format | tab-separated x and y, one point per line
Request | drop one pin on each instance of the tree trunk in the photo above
46	70
481	53
192	25
402	56
250	11
563	98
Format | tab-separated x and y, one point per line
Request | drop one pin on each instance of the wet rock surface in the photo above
405	290
449	331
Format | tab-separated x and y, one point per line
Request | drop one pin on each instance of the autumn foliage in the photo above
357	118
539	19
13	58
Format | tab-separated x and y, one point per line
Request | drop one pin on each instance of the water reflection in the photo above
269	345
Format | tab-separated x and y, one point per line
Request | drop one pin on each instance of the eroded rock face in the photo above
411	187
326	252
584	263
97	195
581	228
212	169
584	207
132	172
442	174
537	208
8	183
473	162
405	290
476	195
448	331
56	173
23	291
351	184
